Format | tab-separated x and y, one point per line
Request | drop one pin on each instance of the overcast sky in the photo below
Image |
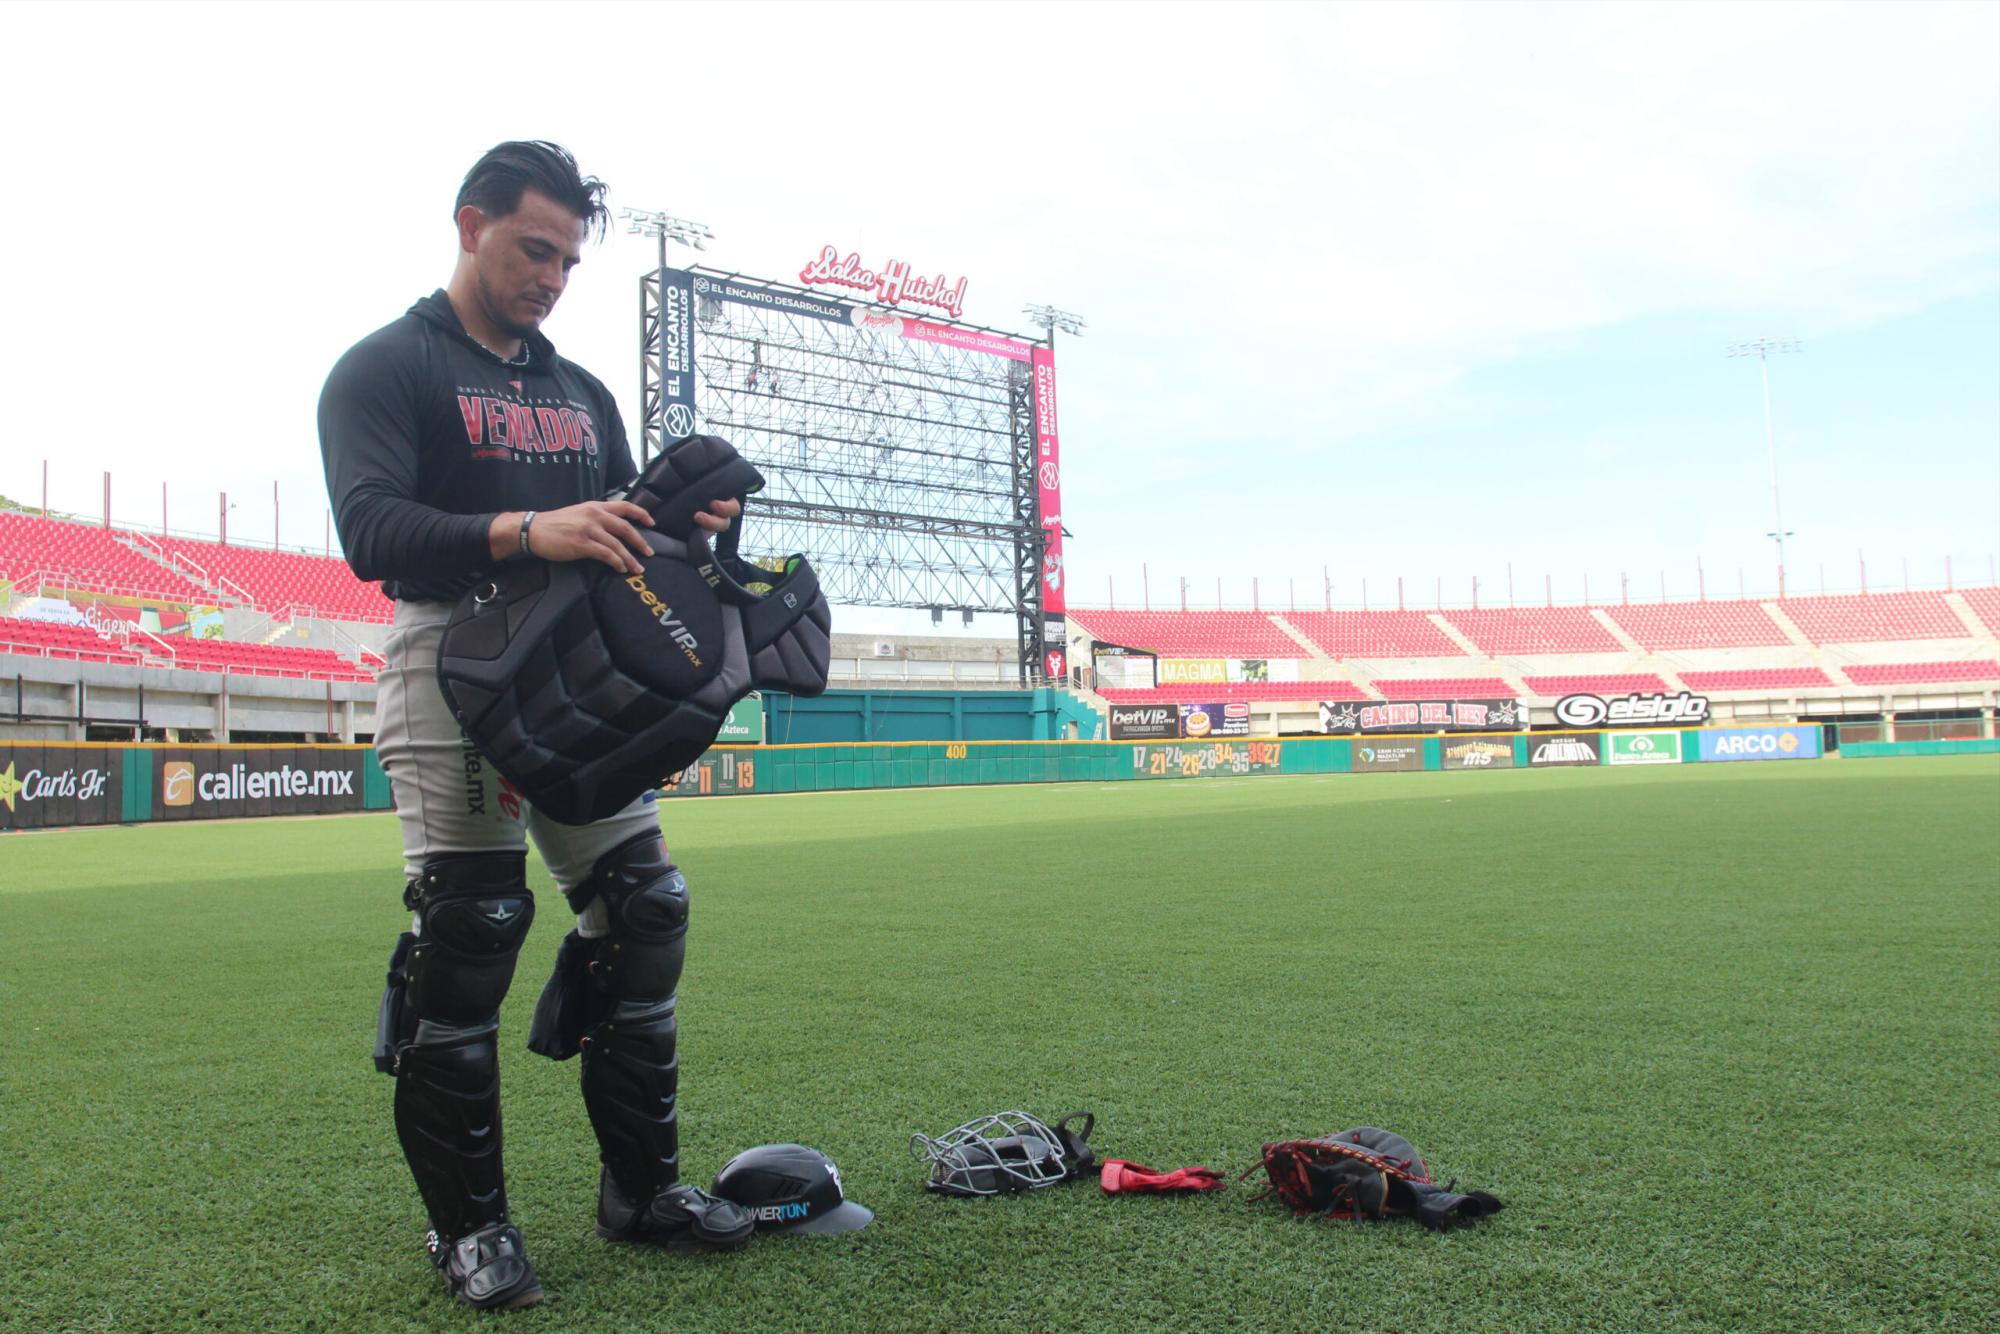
1379	291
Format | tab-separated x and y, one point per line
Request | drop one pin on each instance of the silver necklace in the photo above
518	359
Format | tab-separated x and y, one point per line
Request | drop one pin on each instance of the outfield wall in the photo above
729	770
79	783
56	783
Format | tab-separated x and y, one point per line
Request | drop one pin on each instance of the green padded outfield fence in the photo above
49	784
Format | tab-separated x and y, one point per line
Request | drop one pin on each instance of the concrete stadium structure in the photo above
98	640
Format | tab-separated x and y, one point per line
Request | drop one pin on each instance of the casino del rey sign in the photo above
892	284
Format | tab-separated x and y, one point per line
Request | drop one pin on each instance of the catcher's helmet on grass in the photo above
790	1188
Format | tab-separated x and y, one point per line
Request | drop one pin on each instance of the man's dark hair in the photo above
496	181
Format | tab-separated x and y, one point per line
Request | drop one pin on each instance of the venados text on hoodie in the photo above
426	436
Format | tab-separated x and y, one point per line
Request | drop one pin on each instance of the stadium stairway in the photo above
1784	623
1650	661
145	548
1962	606
1457	636
1303	641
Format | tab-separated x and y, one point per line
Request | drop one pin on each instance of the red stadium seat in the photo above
1686	625
86	557
1923	673
1985	604
45	639
1444	687
1874	617
266	660
1756	678
1611	683
1519	630
276	581
1192	634
1375	634
1238	692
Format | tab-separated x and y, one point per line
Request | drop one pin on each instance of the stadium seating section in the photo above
1544	652
90	558
265	660
42	639
1693	625
1246	692
1520	630
279	580
1609	683
39	639
1873	617
1985	604
1923	673
1450	687
1374	634
83	556
1547	652
1196	634
1757	678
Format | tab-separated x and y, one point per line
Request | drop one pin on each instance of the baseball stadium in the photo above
1032	955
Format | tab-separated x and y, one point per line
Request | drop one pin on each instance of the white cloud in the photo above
1288	226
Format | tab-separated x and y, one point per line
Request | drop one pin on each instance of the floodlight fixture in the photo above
665	227
1052	319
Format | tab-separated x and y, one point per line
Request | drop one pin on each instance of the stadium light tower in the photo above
666	227
1762	349
1048	317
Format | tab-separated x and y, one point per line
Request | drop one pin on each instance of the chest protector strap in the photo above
586	687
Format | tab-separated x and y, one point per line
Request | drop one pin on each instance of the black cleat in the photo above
681	1218
488	1270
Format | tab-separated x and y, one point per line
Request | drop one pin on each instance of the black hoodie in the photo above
426	436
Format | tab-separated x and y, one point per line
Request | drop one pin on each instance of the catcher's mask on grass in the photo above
586	687
790	1188
1006	1153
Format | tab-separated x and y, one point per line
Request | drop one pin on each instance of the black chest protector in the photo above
587	687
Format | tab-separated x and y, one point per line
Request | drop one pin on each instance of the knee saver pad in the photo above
473	912
638	959
646	905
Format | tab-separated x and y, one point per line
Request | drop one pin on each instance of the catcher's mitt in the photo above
1364	1173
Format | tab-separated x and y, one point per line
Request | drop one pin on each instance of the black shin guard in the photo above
631	1077
612	998
448	1119
438	1026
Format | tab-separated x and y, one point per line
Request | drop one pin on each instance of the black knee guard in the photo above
612	998
436	1032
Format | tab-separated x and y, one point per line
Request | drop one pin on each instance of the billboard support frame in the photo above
904	466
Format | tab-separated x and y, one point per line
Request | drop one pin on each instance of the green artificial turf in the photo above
1723	1038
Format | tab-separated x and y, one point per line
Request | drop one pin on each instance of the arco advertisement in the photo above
1727	744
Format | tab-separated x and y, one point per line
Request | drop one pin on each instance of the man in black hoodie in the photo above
455	438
